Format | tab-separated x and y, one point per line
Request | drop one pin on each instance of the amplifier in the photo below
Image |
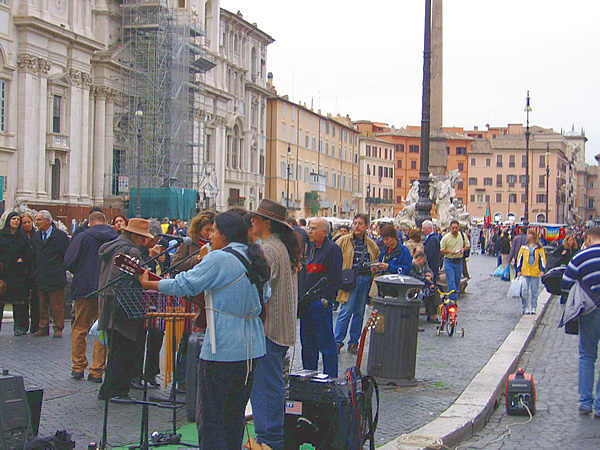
319	411
520	391
14	412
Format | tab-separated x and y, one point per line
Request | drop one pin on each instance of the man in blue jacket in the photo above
83	261
316	317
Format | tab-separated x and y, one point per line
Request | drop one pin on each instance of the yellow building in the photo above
312	161
376	176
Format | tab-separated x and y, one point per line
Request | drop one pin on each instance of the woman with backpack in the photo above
531	264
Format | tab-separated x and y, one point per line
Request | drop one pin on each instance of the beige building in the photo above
312	161
497	174
376	161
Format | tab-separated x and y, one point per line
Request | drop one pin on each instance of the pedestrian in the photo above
414	239
119	221
565	252
518	241
504	248
432	248
453	246
396	257
231	350
83	261
358	252
531	264
50	245
85	225
281	246
199	230
123	333
316	311
584	268
421	270
30	287
15	254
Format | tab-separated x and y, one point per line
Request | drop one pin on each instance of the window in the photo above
400	148
399	182
327	148
511	180
460	185
540	198
413	164
261	167
385	172
326	127
461	166
523	180
2	105
542	161
499	180
512	198
399	164
461	150
488	162
473	181
447	150
55	180
368	150
292	172
473	162
413	149
472	198
399	199
283	169
511	160
368	169
542	181
344	181
283	110
487	181
293	135
487	198
299	171
326	176
523	160
306	174
283	131
235	147
498	160
498	197
479	198
523	198
56	113
314	142
333	178
307	141
333	130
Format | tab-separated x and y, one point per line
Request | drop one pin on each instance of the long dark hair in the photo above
6	227
291	240
231	225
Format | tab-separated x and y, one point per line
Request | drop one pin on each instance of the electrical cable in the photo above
352	392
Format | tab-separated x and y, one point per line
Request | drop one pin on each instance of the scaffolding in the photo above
155	69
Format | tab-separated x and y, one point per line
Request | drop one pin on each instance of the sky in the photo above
365	60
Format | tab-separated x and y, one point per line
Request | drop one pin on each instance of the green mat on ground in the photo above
189	435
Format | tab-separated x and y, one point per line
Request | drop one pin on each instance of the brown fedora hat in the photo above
138	226
273	211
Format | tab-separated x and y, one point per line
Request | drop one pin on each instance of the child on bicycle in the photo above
421	271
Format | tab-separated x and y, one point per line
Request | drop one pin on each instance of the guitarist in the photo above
124	333
281	246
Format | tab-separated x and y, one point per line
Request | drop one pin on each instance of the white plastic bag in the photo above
101	336
517	287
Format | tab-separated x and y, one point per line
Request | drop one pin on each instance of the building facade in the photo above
312	161
376	161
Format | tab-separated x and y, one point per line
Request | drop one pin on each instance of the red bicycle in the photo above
448	310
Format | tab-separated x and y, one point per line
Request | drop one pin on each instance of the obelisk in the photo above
437	146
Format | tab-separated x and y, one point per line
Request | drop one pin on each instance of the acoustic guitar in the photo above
371	323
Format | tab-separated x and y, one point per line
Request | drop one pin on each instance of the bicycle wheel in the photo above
450	328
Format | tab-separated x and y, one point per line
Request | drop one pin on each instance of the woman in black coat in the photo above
15	253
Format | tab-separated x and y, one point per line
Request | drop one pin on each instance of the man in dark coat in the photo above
432	248
124	333
83	261
50	245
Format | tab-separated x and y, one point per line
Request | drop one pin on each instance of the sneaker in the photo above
136	384
77	375
353	348
42	332
584	411
532	311
151	381
94	379
122	398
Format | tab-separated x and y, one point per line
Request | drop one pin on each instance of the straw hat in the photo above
273	211
138	226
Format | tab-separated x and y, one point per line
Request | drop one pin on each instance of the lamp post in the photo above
369	200
527	110
287	194
508	212
547	176
139	114
423	205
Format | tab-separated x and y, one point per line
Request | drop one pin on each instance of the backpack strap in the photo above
246	264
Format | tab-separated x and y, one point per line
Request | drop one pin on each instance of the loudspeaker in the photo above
14	412
191	374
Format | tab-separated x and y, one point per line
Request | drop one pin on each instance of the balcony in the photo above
318	183
326	204
291	204
238	201
58	142
379	201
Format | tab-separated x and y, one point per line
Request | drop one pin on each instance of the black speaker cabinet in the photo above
14	412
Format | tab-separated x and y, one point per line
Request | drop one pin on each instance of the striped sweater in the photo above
585	267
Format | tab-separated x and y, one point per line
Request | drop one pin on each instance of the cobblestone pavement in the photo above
445	366
552	359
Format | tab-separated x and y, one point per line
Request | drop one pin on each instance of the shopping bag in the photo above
506	274
101	336
516	288
499	271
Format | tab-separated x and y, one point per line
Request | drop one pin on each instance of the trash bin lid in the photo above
395	285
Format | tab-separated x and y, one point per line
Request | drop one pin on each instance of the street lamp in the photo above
527	110
287	194
547	176
423	205
139	114
508	212
369	200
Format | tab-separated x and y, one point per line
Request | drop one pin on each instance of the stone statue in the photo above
406	217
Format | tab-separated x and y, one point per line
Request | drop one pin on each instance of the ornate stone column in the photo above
99	158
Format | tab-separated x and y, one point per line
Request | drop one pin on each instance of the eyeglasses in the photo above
313	229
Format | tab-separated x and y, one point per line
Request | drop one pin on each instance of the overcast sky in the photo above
365	59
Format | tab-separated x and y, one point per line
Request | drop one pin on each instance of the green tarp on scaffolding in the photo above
164	202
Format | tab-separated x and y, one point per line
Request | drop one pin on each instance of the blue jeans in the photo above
268	396
453	274
589	334
533	284
316	335
353	309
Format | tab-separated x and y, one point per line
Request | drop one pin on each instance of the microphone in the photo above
177	238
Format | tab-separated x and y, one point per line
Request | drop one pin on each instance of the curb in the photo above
472	409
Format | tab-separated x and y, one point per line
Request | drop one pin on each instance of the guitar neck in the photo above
361	347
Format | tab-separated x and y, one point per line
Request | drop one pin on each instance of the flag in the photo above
487	219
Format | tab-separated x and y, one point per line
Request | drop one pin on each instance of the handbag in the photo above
349	275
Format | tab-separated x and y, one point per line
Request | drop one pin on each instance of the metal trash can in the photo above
393	345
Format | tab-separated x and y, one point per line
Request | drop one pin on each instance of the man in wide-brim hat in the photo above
281	246
124	333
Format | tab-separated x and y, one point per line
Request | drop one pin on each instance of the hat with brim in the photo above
273	211
138	226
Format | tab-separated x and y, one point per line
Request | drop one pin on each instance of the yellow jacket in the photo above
539	264
346	243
